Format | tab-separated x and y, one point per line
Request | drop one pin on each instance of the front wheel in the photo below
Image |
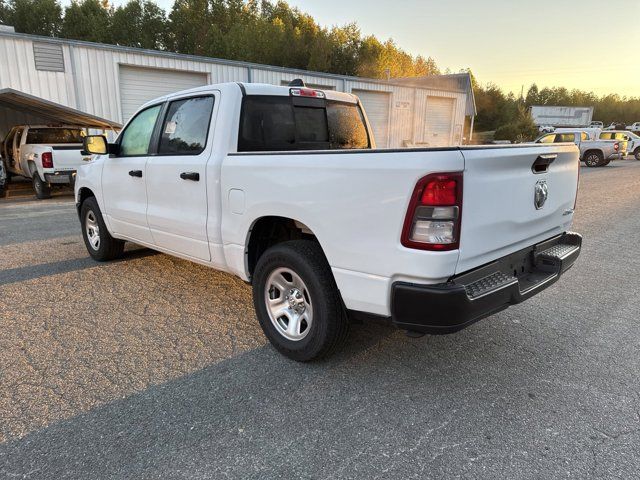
636	153
593	159
99	242
42	188
297	301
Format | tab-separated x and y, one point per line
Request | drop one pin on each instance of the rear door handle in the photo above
135	173
195	176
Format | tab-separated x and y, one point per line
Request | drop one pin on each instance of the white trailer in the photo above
553	116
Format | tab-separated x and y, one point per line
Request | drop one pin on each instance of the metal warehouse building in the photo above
111	82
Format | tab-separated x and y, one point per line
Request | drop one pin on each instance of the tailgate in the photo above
67	157
499	211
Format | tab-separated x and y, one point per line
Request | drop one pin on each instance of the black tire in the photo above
107	248
42	188
329	324
593	159
636	153
3	191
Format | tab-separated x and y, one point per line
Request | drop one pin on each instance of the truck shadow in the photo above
20	274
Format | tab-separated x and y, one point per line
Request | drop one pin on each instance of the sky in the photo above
592	45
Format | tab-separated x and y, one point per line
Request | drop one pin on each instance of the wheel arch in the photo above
83	194
271	230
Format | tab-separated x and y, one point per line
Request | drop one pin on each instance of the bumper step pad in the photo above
488	284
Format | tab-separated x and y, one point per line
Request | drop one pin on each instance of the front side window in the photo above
185	128
277	123
584	136
54	135
135	139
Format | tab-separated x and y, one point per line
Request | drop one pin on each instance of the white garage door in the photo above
438	121
139	85
376	104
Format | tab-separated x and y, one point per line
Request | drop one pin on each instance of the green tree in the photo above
139	23
87	20
38	17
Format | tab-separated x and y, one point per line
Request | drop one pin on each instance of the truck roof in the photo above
254	89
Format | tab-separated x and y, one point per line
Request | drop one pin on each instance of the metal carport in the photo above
19	108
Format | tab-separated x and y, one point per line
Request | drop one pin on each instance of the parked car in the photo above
634	127
3	179
546	128
283	187
616	126
596	124
630	139
46	155
594	153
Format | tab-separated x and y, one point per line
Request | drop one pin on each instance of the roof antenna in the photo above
298	82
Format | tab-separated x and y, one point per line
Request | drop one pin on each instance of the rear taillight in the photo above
616	147
47	160
434	213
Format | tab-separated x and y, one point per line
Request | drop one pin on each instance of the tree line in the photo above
249	30
497	109
275	33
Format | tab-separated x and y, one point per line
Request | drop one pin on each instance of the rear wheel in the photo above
42	188
636	153
99	242
297	301
593	159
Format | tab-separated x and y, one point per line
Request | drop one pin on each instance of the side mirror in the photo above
95	145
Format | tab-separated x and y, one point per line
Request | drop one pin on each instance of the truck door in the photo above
124	177
176	177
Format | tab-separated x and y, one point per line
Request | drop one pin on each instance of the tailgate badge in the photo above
541	192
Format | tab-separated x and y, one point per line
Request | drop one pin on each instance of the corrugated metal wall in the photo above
91	83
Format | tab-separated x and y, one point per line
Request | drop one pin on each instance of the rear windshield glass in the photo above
275	123
54	135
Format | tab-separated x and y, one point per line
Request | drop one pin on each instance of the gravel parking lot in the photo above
153	367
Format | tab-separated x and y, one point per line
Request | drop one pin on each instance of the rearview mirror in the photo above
95	145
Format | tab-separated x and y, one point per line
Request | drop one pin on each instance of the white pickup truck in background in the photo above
594	153
283	187
46	155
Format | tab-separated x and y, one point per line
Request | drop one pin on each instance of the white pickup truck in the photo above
45	154
594	153
283	187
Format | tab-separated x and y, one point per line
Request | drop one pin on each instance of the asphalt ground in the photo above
153	367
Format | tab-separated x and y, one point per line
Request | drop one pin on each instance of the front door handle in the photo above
195	176
135	173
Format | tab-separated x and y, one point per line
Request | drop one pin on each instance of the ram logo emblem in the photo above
541	193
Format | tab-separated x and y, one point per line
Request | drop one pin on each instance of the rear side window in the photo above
185	127
346	126
54	135
606	136
565	137
277	123
584	136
